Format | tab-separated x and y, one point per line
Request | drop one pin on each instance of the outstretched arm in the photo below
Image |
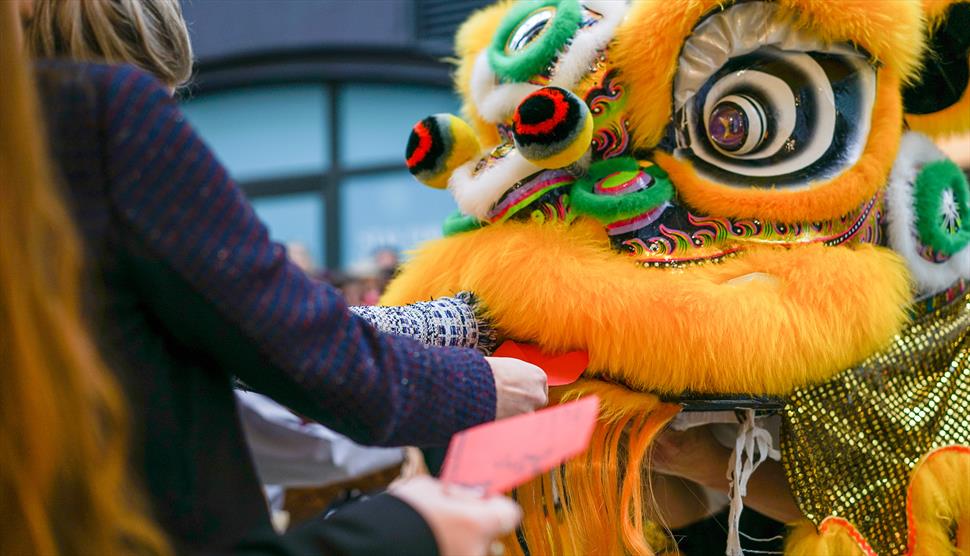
448	321
183	214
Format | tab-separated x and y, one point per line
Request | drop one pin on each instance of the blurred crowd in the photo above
361	283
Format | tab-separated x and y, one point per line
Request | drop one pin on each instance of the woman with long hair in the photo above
64	483
195	294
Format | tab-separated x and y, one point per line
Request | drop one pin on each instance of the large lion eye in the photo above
775	117
777	108
531	27
736	124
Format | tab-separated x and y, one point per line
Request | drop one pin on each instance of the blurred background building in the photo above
309	104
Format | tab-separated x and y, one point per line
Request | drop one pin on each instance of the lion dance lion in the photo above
723	200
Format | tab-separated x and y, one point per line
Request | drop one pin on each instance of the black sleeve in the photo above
380	526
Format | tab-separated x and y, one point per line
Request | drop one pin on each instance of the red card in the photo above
501	455
560	369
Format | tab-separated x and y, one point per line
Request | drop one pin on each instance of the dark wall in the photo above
226	28
239	42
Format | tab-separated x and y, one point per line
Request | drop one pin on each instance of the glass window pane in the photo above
295	218
375	120
389	209
265	132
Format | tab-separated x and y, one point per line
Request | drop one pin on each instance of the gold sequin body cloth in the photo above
849	445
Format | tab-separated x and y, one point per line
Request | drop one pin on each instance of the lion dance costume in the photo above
723	199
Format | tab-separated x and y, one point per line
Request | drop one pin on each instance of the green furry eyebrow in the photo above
523	65
936	178
607	208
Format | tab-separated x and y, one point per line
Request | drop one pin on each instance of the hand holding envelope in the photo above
495	457
560	369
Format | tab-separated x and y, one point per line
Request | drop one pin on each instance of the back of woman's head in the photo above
150	34
64	483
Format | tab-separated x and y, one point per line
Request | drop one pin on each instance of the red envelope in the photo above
504	454
560	369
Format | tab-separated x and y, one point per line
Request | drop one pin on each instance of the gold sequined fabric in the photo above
849	445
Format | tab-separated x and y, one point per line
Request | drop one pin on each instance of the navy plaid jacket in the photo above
188	292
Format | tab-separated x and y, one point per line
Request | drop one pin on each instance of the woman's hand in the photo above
463	522
520	387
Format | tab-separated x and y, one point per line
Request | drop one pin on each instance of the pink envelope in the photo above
499	456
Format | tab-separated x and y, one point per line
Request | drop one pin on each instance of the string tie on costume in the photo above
752	447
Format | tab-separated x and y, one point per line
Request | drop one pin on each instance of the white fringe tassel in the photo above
752	447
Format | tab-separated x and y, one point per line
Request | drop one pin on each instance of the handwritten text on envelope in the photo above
501	455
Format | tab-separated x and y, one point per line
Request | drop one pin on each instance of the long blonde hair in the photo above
64	481
150	34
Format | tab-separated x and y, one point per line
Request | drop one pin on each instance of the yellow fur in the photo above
820	201
938	499
935	9
804	540
951	120
939	496
956	117
890	30
616	402
605	514
563	288
649	72
473	37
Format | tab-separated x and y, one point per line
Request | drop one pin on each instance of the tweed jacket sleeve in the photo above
447	321
174	198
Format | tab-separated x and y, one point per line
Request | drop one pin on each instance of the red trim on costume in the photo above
851	530
910	520
424	145
911	525
560	109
